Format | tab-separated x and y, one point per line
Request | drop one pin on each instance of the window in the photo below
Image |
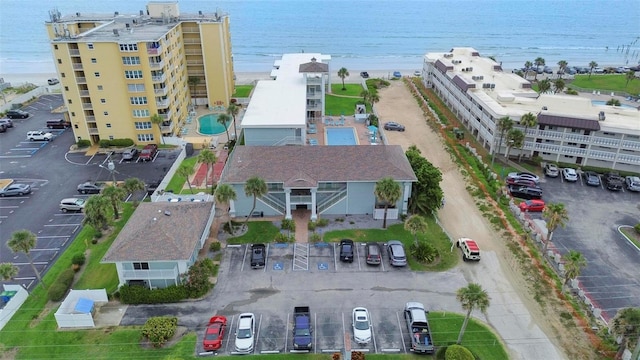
138	100
104	101
59	61
110	137
66	88
106	113
141	266
69	101
55	47
63	75
99	87
90	46
143	125
135	87
145	137
131	60
133	74
73	113
94	60
75	126
128	47
96	74
141	114
108	125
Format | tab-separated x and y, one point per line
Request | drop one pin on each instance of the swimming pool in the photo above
604	103
209	125
340	136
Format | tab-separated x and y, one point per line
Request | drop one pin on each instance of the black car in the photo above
17	114
346	250
591	178
613	181
525	192
258	256
89	188
364	75
393	126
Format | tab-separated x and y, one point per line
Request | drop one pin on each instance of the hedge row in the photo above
144	295
62	284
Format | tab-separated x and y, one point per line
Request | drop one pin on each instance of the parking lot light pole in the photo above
112	168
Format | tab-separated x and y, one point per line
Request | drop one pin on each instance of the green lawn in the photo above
609	82
242	91
435	236
259	232
478	337
177	182
350	89
336	105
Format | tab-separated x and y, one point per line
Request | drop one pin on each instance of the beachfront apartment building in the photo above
117	71
283	107
571	129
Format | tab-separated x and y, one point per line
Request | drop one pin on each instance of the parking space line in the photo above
315	333
266	259
70	214
401	334
373	335
358	257
229	332
60	225
35	263
53	236
346	338
9	207
244	257
335	261
286	334
255	348
50	249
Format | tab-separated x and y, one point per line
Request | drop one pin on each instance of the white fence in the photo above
24	98
10	308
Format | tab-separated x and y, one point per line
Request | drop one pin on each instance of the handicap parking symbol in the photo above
278	266
323	266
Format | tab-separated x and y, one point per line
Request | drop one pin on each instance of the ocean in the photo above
369	34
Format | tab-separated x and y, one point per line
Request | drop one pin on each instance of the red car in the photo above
214	334
532	205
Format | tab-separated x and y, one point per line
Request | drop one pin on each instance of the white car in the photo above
417	73
570	174
39	136
245	334
633	183
361	325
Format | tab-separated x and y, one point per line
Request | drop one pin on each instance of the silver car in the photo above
72	204
397	256
15	190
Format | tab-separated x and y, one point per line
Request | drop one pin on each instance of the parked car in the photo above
570	174
361	325
417	73
373	254
245	333
38	135
58	124
551	170
89	188
547	70
613	181
591	178
393	126
533	205
3	128
522	182
346	250
214	333
523	175
258	256
15	190
17	114
633	183
6	122
148	153
364	75
129	154
397	74
525	192
397	255
72	204
53	81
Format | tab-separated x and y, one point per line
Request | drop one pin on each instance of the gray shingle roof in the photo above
312	164
313	67
568	122
151	235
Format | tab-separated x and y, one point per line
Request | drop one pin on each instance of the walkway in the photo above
301	218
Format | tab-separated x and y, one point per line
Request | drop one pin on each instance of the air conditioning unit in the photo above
601	116
493	86
456	62
449	55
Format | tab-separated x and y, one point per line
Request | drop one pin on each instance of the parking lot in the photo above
318	257
612	275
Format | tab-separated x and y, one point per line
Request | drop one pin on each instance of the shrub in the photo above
315	237
458	352
312	225
104	143
424	252
160	329
143	295
122	142
288	224
78	259
196	282
59	288
281	238
322	222
83	143
215	246
637	228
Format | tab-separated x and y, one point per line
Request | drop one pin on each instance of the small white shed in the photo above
78	308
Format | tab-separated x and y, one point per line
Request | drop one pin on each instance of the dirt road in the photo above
518	319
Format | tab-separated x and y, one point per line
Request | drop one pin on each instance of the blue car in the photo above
396	74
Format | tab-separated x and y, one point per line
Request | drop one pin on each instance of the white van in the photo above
469	248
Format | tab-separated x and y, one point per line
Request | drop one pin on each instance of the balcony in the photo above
162	104
316	95
166	116
156	65
190	29
314	106
90	119
155	50
159	78
81	80
93	131
87	106
77	66
314	80
160	91
300	199
84	92
74	52
630	145
167	128
150	274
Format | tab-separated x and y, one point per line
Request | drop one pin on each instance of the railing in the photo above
84	92
155	50
314	106
300	199
150	274
81	80
156	65
77	66
90	119
74	52
332	200
161	91
314	81
190	29
630	144
162	103
274	203
289	140
160	78
166	116
94	131
167	128
87	106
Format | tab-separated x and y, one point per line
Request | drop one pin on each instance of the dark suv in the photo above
17	114
525	192
346	250
613	181
58	124
257	256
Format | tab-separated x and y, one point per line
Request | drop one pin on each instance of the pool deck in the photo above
362	132
189	130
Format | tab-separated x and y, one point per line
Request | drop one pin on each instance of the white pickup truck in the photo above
470	249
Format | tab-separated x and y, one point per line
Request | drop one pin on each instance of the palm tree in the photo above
23	241
223	119
559	85
133	184
626	325
556	215
343	73
505	124
630	75
96	212
365	96
233	110
527	66
208	158
193	82
471	297
592	65
574	262
116	195
388	192
544	85
538	62
562	66
514	138
527	120
186	171
224	194
158	120
416	224
256	187
8	271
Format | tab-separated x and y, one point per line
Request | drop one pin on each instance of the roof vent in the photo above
141	13
167	212
544	108
601	116
116	13
115	32
200	12
78	14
